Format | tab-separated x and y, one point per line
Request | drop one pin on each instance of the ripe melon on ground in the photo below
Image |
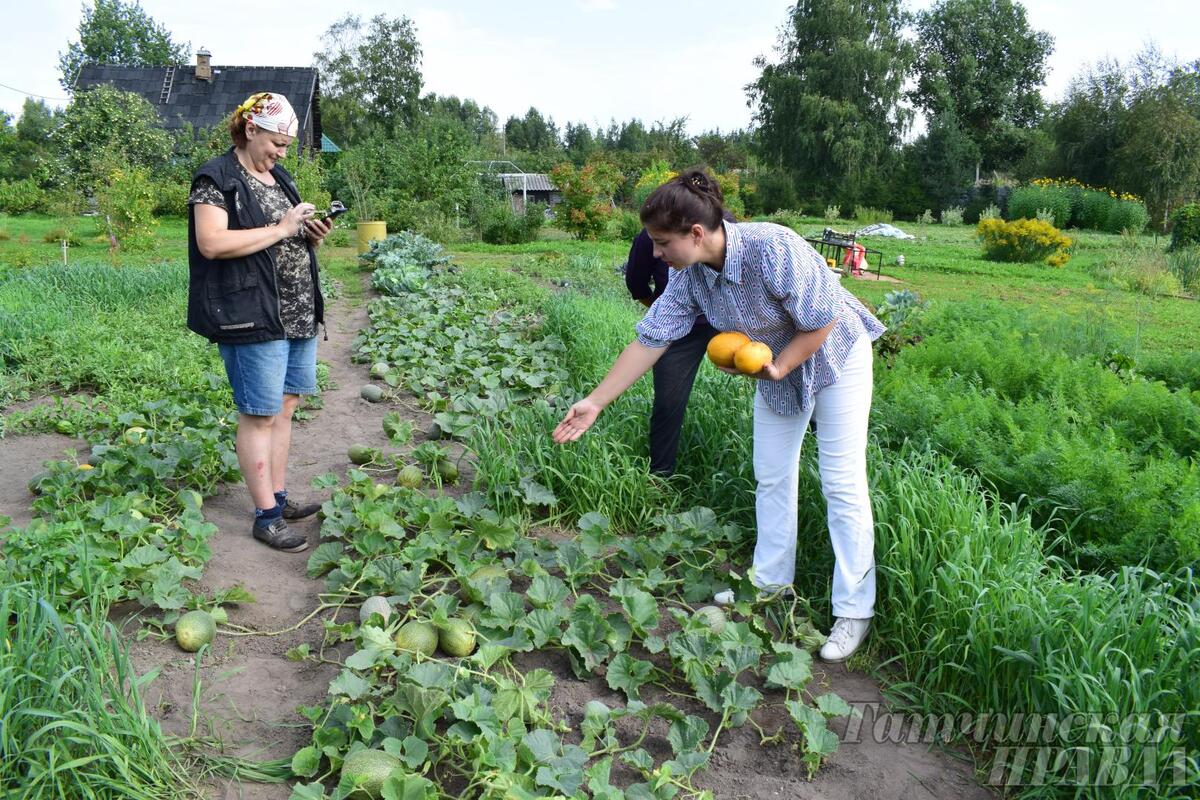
751	358
376	604
457	638
417	637
194	630
410	477
723	346
369	769
448	471
371	393
713	617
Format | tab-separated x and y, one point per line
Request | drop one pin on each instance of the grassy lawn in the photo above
23	241
945	264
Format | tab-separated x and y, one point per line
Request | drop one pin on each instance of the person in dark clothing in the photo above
646	279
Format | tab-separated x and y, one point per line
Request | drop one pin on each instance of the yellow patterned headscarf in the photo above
271	112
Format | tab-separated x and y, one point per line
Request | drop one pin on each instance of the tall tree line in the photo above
833	110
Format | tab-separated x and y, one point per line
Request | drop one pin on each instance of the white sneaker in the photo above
844	638
726	597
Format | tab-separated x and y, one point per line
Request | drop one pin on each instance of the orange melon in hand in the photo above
721	348
751	358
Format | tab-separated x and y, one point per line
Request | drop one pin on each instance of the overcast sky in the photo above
575	60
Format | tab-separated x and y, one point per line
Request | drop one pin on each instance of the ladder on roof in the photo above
168	82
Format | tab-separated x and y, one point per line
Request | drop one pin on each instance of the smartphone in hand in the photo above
336	209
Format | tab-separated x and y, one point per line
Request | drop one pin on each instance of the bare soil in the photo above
250	691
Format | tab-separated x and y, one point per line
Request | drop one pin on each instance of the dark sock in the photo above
281	498
265	516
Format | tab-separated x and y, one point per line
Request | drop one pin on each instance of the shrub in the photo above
990	211
1023	240
624	226
952	215
338	237
865	215
651	178
21	257
775	191
731	190
502	225
19	197
1070	202
1094	208
1185	231
309	175
1142	269
586	197
1185	266
926	217
422	216
1127	215
170	199
1026	201
60	232
127	200
787	217
833	213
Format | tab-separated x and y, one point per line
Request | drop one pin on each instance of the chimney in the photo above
203	67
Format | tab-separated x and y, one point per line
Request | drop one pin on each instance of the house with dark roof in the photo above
204	95
525	188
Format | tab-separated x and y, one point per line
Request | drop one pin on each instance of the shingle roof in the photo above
534	182
207	102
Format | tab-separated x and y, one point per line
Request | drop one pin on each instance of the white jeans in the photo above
841	411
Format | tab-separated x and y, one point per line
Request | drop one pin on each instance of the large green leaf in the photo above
628	674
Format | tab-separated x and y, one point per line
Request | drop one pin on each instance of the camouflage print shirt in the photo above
297	301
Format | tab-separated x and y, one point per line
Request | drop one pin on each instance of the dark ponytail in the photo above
691	197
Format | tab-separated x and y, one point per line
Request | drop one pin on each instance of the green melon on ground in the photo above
369	769
194	630
457	638
417	637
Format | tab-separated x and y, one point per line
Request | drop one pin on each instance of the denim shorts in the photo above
263	372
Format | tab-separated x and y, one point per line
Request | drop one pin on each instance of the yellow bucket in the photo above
369	232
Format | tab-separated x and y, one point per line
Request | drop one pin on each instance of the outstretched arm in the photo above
634	362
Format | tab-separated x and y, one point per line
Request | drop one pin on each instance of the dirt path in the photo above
250	691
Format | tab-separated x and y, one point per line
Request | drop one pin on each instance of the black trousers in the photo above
674	375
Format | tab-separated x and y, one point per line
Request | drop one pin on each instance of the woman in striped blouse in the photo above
767	282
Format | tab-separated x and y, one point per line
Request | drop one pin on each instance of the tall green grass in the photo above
607	470
980	620
117	332
72	724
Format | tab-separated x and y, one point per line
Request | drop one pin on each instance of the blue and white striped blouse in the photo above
773	285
